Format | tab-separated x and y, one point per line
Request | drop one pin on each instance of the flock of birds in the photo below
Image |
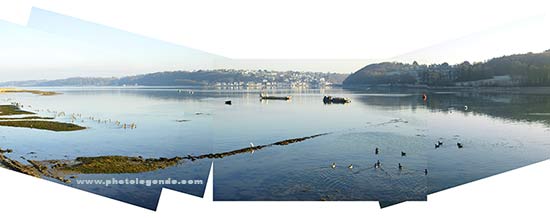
400	167
440	143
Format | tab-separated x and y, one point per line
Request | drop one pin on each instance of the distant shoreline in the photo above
501	89
487	89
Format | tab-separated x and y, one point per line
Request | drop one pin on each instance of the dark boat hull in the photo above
265	97
335	100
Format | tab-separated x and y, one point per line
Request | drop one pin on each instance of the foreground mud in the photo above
114	165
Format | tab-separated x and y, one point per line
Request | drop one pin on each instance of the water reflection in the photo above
498	131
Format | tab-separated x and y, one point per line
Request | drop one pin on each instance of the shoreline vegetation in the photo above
42	125
33	122
26	118
520	70
59	169
36	92
211	78
509	89
9	110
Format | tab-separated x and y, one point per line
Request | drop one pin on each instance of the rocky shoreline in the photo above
58	169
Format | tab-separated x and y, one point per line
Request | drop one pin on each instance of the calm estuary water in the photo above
499	132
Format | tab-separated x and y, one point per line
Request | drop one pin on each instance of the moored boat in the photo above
268	97
335	100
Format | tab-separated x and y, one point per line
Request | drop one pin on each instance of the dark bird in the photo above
376	151
228	102
403	154
459	145
425	171
377	164
400	166
437	145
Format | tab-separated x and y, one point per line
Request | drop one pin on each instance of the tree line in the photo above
531	69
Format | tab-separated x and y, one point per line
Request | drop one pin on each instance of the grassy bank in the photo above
117	164
33	122
36	92
26	118
43	125
8	110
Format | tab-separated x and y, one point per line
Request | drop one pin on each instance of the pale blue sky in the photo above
521	36
55	46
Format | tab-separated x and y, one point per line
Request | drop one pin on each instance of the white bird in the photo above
465	107
350	166
333	165
252	148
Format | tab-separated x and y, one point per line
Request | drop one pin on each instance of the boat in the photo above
335	100
267	97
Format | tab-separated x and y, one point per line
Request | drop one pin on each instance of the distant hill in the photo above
187	78
383	73
531	69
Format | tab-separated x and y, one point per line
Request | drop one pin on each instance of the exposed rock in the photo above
5	151
17	166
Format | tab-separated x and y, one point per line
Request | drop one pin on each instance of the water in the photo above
499	132
153	110
302	171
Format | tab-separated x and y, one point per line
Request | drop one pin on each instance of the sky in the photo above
51	39
522	36
54	46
